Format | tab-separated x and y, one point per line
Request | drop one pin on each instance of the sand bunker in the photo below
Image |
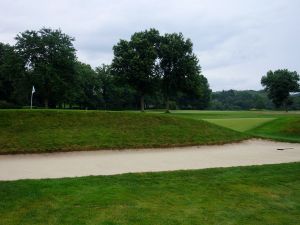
109	162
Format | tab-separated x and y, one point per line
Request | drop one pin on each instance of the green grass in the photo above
240	124
275	125
267	194
282	129
24	131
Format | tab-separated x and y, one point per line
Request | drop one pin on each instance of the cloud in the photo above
236	41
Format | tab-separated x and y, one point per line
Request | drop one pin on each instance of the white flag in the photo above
33	90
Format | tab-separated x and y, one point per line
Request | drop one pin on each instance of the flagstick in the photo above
31	101
32	92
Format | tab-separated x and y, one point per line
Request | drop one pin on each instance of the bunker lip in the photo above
110	162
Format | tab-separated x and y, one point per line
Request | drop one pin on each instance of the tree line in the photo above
281	91
247	100
149	70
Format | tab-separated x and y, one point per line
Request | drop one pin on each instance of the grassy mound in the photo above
280	126
241	195
60	130
283	129
240	124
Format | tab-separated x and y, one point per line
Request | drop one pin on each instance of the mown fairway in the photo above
241	195
240	124
62	130
279	126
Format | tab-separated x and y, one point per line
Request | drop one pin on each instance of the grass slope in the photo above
61	130
240	124
242	195
282	129
275	125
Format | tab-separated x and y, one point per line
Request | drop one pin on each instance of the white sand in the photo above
108	162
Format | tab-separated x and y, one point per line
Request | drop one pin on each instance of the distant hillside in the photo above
246	100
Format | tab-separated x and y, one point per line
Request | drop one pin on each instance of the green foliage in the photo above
279	84
87	91
12	77
197	94
266	194
148	56
66	130
49	58
134	62
296	102
240	100
180	69
115	94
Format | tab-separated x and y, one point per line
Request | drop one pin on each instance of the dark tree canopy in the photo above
180	68
12	79
116	94
49	57
240	100
134	62
87	91
279	84
148	70
149	61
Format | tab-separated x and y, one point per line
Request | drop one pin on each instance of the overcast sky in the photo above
236	41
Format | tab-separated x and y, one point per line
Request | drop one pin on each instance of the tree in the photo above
179	68
87	92
196	94
50	58
12	77
116	94
135	62
279	84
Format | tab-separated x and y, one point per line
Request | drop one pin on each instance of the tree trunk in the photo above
46	103
167	105
142	103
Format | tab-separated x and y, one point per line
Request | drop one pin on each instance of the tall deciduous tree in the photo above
279	84
135	62
179	67
87	91
50	59
12	79
116	94
196	93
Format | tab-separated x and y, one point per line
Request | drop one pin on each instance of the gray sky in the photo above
237	41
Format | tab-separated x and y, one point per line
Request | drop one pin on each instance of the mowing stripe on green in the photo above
240	124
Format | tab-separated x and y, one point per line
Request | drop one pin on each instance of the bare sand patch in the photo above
110	162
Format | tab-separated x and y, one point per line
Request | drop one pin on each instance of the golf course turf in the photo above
36	131
62	130
281	129
267	194
279	126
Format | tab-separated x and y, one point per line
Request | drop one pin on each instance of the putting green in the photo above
240	124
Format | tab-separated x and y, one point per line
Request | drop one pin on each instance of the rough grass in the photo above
24	131
242	195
